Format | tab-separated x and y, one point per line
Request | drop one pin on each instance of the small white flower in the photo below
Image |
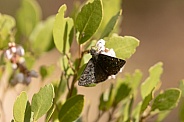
13	49
113	54
21	60
8	54
103	50
11	44
14	66
109	52
100	45
20	51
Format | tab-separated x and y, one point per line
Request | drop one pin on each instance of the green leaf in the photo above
136	112
146	102
106	99
64	64
75	91
181	110
181	86
41	36
59	28
1	71
88	20
45	71
153	79
167	100
60	88
42	101
162	115
110	25
125	111
63	31
122	92
133	80
19	107
86	58
79	73
124	47
28	16
50	112
71	109
7	23
68	35
28	113
30	60
110	8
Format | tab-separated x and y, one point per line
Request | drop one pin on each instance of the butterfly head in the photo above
93	51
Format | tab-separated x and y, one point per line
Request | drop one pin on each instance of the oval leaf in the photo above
71	109
151	82
41	36
124	47
28	16
122	92
110	25
181	86
88	20
181	111
19	107
45	71
7	23
133	80
59	27
68	35
146	102
110	8
106	99
42	101
166	100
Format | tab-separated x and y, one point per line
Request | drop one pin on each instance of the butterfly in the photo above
99	68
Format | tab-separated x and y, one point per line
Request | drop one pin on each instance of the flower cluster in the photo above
103	50
21	74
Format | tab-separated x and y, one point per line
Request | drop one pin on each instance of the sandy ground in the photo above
159	25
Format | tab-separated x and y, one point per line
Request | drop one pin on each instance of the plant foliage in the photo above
94	19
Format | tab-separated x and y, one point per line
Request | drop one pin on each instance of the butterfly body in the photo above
99	68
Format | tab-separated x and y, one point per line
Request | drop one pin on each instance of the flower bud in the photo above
27	80
20	51
33	73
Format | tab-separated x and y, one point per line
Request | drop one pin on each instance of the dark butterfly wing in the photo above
110	65
100	75
88	75
92	74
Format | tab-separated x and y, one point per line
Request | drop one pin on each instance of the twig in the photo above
111	114
68	86
72	86
70	63
77	69
100	114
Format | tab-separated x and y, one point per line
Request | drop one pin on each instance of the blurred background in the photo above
158	24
